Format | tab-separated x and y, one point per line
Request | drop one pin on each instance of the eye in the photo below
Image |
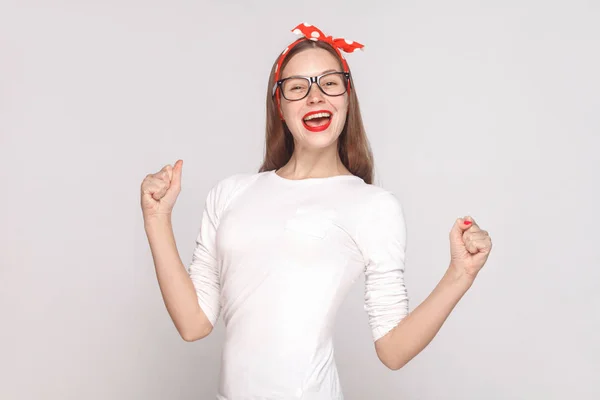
295	85
331	81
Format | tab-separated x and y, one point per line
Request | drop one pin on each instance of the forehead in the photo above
311	62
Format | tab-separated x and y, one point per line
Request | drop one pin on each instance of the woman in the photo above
279	249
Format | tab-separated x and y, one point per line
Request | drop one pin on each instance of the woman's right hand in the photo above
160	191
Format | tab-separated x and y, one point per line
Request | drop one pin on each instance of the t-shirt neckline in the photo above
312	180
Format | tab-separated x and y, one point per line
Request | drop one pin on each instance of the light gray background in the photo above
481	108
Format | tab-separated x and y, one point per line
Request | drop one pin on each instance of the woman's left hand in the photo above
469	247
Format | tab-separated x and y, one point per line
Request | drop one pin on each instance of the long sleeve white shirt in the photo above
276	257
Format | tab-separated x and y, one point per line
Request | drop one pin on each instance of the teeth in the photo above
319	115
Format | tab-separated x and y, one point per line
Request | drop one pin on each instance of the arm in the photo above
178	292
469	249
419	327
400	335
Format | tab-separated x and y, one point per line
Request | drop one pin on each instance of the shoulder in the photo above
224	189
371	198
381	213
385	200
381	230
235	181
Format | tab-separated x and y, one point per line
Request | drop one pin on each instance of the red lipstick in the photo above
319	128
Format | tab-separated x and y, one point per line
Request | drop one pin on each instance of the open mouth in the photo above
317	121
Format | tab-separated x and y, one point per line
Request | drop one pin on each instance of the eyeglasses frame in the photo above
311	80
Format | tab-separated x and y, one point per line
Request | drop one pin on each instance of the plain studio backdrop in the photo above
489	110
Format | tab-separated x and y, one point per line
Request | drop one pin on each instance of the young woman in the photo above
279	249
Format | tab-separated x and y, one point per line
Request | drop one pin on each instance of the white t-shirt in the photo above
276	257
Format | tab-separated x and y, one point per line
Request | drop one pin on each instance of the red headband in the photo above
310	32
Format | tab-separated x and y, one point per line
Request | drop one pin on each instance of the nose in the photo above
315	95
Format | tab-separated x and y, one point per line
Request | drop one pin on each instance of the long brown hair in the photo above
353	146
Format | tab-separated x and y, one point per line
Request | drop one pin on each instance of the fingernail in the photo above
467	222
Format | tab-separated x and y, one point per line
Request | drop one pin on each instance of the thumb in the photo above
176	180
459	227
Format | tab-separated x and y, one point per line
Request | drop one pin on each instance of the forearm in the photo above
419	328
177	289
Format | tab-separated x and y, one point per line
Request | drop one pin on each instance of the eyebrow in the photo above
321	73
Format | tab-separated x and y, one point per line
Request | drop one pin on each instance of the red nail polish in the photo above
467	222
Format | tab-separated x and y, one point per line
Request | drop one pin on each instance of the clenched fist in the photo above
160	190
470	247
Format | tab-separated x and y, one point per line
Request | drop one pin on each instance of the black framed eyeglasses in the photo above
297	88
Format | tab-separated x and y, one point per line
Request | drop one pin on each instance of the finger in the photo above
457	231
166	172
155	179
462	224
159	191
146	183
483	246
478	246
153	186
471	243
472	225
479	235
164	176
471	246
176	180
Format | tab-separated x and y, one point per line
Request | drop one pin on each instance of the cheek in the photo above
288	110
341	103
342	109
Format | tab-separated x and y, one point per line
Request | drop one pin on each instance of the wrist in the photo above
459	277
151	221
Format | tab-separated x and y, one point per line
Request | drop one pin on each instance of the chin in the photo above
315	139
321	140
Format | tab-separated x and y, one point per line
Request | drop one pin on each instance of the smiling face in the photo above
317	120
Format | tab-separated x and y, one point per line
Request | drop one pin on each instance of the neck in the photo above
322	163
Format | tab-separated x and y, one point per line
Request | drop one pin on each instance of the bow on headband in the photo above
313	33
